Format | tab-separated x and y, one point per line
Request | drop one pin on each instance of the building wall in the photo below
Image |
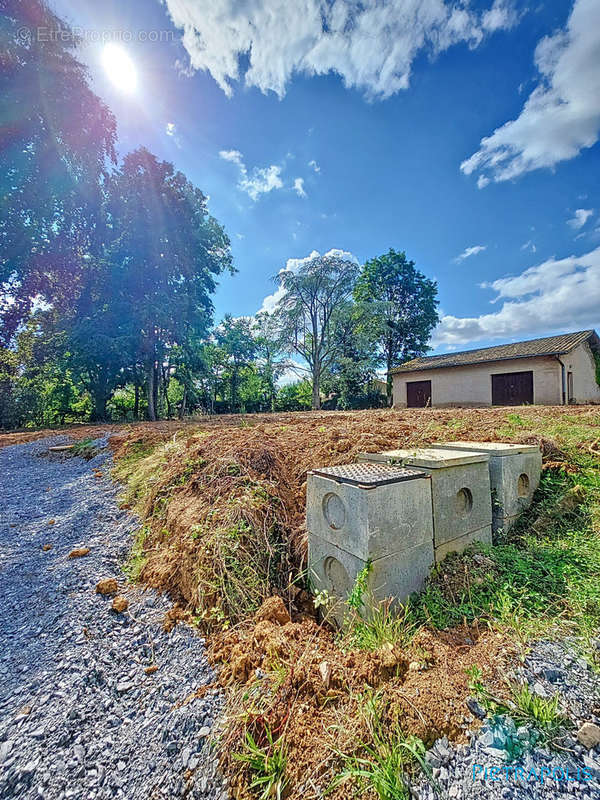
472	385
581	363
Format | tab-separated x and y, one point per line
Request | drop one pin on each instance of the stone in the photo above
79	552
120	604
107	586
476	708
204	732
325	672
589	735
46	547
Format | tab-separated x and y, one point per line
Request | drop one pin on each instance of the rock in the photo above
204	732
273	610
46	547
79	552
476	708
325	672
151	669
107	586
589	735
553	675
120	604
414	666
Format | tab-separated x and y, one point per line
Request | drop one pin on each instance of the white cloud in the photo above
313	164
501	16
530	246
293	265
371	46
260	180
171	131
299	187
470	251
557	295
580	217
562	114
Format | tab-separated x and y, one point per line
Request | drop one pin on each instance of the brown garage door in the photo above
512	389
418	394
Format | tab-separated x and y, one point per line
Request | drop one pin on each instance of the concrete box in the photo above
461	495
357	513
515	471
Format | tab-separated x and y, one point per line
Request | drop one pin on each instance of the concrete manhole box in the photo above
514	476
461	495
356	513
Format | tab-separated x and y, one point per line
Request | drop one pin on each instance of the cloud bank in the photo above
561	116
371	46
556	295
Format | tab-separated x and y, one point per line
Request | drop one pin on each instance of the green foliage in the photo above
383	761
401	305
267	764
295	396
312	308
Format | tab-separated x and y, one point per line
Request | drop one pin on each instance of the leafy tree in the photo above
403	304
352	368
235	338
165	253
295	396
269	350
309	309
57	138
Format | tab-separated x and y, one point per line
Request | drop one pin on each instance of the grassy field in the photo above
309	708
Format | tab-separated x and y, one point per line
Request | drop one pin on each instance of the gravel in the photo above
502	761
79	716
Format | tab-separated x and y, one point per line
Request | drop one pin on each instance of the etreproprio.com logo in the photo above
518	774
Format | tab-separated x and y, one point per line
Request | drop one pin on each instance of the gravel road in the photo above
81	716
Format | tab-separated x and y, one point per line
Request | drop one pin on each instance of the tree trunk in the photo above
183	403
151	392
136	403
155	387
389	386
165	387
316	393
99	410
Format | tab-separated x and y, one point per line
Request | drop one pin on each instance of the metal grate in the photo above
369	474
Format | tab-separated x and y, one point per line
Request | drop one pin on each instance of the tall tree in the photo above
312	298
166	252
235	337
269	350
402	303
56	140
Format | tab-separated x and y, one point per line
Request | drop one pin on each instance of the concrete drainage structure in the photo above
514	475
360	513
461	497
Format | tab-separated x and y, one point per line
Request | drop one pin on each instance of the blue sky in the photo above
465	135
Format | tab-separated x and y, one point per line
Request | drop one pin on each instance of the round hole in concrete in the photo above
339	581
334	510
464	501
523	485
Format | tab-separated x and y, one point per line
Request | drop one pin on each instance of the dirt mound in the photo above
293	680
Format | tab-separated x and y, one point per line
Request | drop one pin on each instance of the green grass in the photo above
266	763
383	761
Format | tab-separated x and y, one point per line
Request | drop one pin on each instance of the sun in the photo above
119	67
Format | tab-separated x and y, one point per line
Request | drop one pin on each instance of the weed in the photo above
383	761
383	624
542	712
266	764
84	449
137	558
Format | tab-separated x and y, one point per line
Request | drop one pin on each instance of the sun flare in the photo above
119	67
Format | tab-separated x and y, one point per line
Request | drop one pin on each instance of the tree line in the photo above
108	269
